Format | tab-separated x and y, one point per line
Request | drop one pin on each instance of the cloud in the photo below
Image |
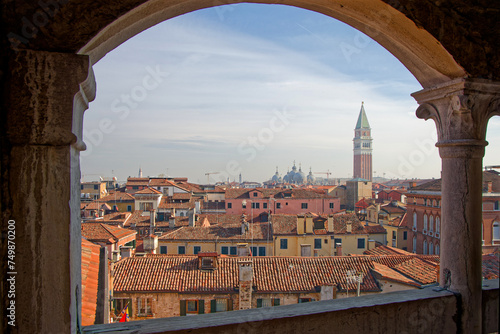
226	80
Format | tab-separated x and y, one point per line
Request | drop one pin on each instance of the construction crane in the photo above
208	176
328	173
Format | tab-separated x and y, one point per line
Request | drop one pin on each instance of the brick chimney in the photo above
152	218
191	215
490	186
339	249
330	224
245	284
171	222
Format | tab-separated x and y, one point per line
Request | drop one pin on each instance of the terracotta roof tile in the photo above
148	191
104	233
271	274
90	274
491	268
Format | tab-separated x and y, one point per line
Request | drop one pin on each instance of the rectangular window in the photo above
393	234
255	205
255	194
219	305
317	243
264	205
304	205
135	187
233	250
224	250
338	242
81	186
497	205
129	208
144	307
305	300
254	251
267	302
120	304
96	187
229	205
163	249
405	235
361	243
192	306
278	205
262	251
284	244
331	205
196	249
244	205
181	250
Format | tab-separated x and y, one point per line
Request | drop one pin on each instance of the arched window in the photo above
431	248
425	247
437	249
414	244
425	223
438	223
431	223
414	221
496	231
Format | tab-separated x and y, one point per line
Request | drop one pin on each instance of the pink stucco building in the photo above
279	201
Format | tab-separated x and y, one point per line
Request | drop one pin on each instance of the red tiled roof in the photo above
90	277
271	274
386	250
256	231
104	233
97	205
419	270
392	209
113	218
118	196
148	191
491	269
181	196
137	181
393	275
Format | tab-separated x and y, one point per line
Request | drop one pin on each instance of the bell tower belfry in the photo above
362	147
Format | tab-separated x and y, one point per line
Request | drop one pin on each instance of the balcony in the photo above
404	311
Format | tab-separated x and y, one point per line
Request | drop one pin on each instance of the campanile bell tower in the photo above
362	147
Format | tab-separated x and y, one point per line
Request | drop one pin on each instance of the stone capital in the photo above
48	93
461	109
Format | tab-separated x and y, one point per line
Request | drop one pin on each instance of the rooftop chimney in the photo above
330	224
245	284
150	244
490	186
349	227
339	249
191	215
244	224
171	222
152	218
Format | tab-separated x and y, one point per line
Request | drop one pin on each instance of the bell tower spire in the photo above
362	167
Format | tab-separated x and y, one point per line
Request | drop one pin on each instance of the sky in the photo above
249	88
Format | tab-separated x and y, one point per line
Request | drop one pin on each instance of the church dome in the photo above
299	177
310	177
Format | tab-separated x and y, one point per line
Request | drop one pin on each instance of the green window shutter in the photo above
259	302
276	302
183	307
201	306
213	306
229	304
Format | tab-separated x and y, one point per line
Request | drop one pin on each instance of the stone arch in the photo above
413	46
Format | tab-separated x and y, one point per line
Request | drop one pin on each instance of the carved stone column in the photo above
45	99
461	110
